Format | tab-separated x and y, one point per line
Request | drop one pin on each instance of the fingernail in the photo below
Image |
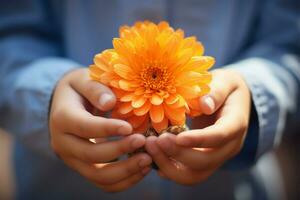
144	162
209	102
146	170
104	99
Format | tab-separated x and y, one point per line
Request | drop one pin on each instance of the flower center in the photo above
154	78
154	75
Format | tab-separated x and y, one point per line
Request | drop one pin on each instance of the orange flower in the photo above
156	73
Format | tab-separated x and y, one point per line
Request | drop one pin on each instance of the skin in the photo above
188	158
215	137
79	134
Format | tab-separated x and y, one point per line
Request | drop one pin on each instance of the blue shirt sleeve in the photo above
271	68
30	66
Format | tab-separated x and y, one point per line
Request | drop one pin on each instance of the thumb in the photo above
96	93
221	86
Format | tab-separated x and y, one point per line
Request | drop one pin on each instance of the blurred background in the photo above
275	176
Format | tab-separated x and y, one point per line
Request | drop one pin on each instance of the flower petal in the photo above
138	101
179	103
202	63
189	92
163	25
159	127
195	113
173	98
127	85
107	77
174	115
194	104
119	93
170	97
142	110
127	97
125	108
183	58
122	48
189	78
139	91
143	127
117	115
205	89
199	48
95	72
136	121
124	71
156	113
156	99
206	77
98	60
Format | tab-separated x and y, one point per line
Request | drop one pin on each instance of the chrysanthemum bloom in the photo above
156	73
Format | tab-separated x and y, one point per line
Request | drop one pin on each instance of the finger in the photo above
70	116
111	173
231	124
220	88
86	125
211	137
127	183
99	152
172	169
97	94
195	158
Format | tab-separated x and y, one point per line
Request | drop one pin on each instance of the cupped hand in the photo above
218	135
79	137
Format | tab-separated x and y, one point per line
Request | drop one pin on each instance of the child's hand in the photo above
72	125
192	156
